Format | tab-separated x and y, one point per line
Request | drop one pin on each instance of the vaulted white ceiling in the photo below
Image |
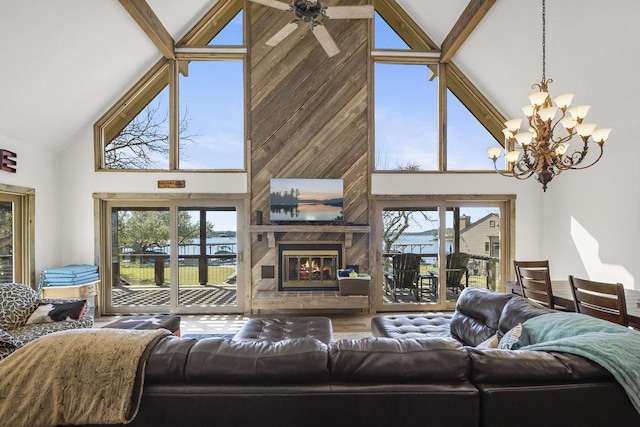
64	62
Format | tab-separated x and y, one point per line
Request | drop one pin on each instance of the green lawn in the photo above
144	275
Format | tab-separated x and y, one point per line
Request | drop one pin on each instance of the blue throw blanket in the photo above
614	347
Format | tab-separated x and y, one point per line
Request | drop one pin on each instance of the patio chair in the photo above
535	281
406	271
457	270
602	300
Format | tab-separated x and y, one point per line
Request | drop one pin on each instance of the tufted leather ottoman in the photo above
271	329
412	325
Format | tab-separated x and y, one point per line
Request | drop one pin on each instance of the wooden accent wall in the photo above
309	118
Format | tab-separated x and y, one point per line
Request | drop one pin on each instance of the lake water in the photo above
415	244
306	212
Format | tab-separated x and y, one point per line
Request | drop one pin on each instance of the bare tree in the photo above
145	140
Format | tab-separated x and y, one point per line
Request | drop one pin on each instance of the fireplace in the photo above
309	267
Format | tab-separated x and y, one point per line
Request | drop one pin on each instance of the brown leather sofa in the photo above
438	379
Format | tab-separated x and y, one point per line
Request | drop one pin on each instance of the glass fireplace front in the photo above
310	267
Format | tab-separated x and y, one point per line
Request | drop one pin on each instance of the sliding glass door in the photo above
458	244
171	257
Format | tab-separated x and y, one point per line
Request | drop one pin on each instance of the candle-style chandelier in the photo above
537	151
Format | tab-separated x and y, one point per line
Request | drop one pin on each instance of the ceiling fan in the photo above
310	11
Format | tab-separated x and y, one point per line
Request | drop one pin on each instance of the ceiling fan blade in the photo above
274	3
349	12
283	33
325	39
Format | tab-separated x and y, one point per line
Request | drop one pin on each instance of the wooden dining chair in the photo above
598	299
535	281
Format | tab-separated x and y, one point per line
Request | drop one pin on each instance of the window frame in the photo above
506	204
424	51
23	200
192	47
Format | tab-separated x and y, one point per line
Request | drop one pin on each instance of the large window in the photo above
187	113
428	116
406	117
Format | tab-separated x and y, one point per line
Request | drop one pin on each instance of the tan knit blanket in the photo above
79	376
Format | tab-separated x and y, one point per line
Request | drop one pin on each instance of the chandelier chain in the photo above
544	41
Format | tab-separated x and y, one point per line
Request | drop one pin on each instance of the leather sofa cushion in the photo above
406	360
298	360
477	315
518	310
168	359
520	366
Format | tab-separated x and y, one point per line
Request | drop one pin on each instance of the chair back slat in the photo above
535	281
600	299
606	301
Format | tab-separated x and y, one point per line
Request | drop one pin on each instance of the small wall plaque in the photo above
171	183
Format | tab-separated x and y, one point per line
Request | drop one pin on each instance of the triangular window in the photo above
231	34
467	138
385	36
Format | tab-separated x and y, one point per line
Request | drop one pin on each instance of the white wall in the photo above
591	217
39	169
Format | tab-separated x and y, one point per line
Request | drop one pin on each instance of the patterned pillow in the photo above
17	302
57	312
510	339
7	341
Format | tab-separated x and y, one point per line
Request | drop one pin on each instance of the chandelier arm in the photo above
512	173
564	114
523	169
594	162
574	159
560	140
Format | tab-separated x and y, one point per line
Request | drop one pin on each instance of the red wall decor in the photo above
8	161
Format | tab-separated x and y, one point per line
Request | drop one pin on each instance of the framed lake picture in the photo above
306	200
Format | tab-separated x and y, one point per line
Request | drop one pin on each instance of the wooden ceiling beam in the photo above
142	13
467	22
